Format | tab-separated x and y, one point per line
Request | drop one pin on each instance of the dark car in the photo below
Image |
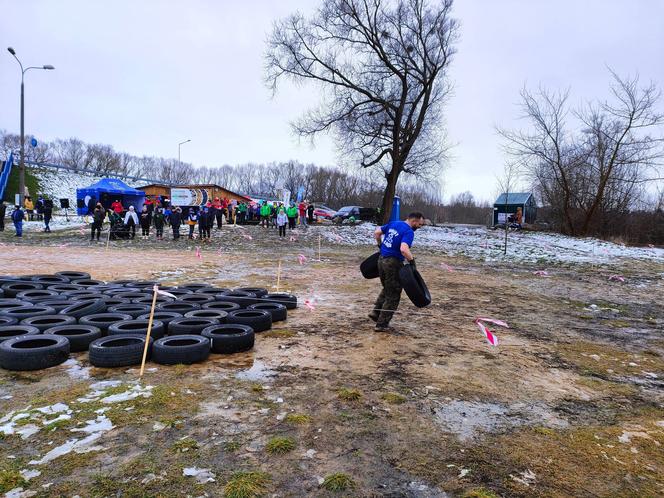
358	213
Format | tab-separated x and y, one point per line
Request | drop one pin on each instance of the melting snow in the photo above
202	475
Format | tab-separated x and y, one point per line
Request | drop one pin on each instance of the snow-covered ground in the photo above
57	223
487	245
62	184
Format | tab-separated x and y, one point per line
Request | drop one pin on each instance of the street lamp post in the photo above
179	145
21	167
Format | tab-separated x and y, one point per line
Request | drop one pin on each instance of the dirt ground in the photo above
569	404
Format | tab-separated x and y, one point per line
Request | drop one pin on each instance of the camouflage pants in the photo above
388	300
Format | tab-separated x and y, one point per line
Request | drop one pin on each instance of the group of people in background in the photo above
42	211
277	214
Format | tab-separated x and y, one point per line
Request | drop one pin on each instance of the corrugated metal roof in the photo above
513	198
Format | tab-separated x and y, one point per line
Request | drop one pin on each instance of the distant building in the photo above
192	195
509	204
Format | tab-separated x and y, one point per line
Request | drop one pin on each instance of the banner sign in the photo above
189	196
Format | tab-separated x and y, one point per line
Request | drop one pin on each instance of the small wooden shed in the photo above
509	204
192	195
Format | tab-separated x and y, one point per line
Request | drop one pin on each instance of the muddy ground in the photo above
569	404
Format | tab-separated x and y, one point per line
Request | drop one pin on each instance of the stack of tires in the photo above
45	317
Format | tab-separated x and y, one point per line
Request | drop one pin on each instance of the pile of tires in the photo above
44	318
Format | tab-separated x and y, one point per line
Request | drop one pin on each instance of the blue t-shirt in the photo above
395	233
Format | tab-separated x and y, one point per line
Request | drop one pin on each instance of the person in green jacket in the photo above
291	213
265	212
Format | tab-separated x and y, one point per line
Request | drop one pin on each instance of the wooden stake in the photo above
147	337
278	275
319	247
108	240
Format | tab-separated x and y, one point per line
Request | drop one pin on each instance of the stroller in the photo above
119	231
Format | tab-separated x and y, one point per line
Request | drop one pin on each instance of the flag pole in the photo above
147	337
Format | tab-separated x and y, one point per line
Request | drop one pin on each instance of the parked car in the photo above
323	211
356	212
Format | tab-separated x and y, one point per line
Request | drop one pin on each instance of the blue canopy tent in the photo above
106	191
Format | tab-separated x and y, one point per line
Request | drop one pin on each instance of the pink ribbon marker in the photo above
198	253
447	267
247	236
309	305
488	334
616	278
541	273
293	239
302	258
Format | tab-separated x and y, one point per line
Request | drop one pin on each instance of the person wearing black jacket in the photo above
145	221
3	212
98	216
48	213
204	224
176	221
159	222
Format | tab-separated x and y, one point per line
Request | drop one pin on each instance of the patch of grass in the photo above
280	445
297	419
393	398
479	493
247	485
10	479
349	394
257	388
281	334
179	370
618	324
185	444
232	446
338	482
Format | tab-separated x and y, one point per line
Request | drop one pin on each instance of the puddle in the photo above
257	372
467	419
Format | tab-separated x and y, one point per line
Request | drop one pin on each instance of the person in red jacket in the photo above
117	207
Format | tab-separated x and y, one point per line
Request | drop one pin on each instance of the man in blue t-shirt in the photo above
394	241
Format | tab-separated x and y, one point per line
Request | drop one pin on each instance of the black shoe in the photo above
382	328
373	316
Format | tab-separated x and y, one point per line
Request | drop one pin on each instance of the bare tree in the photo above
506	185
382	67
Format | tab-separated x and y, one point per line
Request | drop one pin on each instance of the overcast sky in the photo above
145	75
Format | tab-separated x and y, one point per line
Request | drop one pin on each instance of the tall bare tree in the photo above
382	67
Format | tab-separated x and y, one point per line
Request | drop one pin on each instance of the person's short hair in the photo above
415	215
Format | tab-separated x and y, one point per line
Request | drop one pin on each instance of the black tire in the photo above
7	304
132	294
130	309
73	275
118	351
104	287
57	304
137	327
79	292
257	291
79	309
148	300
181	349
369	267
221	306
142	284
112	301
229	338
195	286
87	282
190	326
7	320
45	322
207	313
242	298
277	310
211	291
79	336
122	283
256	319
199	299
13	288
28	311
288	300
180	292
33	352
104	320
91	296
165	317
414	285
16	330
49	279
113	292
62	288
178	307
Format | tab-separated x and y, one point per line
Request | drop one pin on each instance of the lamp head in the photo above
48	66
11	50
